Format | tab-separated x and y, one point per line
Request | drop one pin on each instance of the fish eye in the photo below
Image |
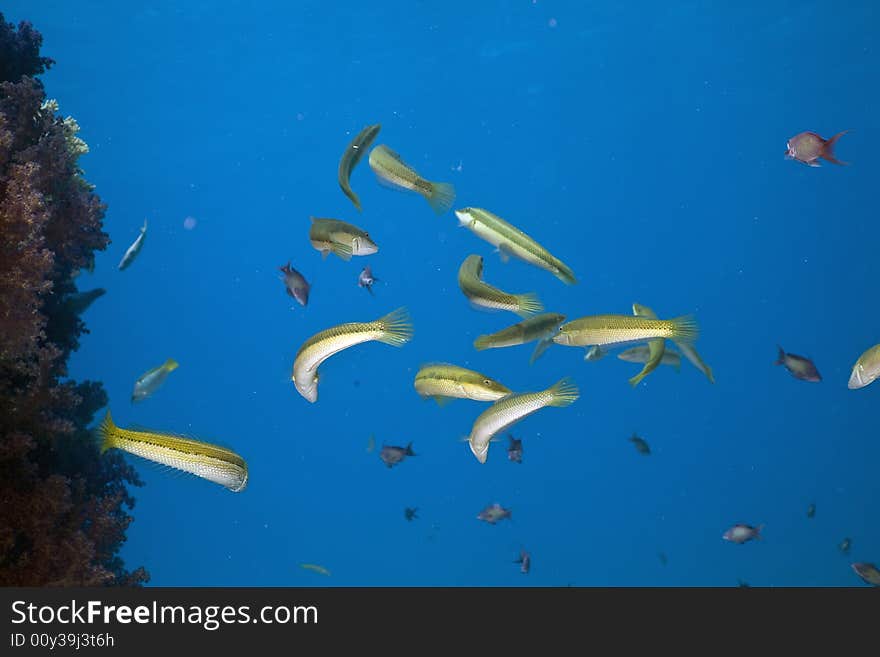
487	382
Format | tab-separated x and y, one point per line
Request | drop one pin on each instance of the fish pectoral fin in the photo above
442	401
540	348
344	251
503	255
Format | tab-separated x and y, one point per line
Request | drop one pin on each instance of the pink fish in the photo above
808	147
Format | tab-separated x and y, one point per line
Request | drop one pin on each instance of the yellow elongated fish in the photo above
442	380
150	381
390	169
315	568
205	460
540	327
339	237
511	241
513	408
352	155
656	347
483	295
395	329
624	329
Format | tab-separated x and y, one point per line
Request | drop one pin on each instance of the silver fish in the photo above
134	249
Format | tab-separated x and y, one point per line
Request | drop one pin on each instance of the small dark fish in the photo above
391	455
525	561
741	533
811	511
409	513
493	513
515	450
808	147
641	446
366	279
800	367
662	557
79	302
845	545
868	572
296	284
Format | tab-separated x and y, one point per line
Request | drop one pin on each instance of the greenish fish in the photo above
352	155
513	408
690	352
343	239
315	568
656	347
391	170
606	330
641	353
483	295
511	241
151	380
444	381
540	327
866	369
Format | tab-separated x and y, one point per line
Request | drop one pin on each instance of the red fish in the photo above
296	284
808	147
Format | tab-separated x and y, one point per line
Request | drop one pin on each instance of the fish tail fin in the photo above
758	531
396	327
528	304
564	393
442	197
685	329
409	450
781	359
482	342
171	365
710	375
828	148
106	433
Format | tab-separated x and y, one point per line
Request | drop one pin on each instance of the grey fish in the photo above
134	249
366	279
642	353
845	545
409	513
493	513
352	155
78	303
799	367
515	449
868	572
296	284
741	533
392	455
525	562
811	511
808	147
640	444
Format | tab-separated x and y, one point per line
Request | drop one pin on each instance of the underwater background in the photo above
640	143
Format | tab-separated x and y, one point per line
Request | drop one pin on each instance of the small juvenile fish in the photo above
525	562
624	329
800	367
640	444
134	249
808	147
641	353
662	557
352	155
811	511
845	545
78	303
445	381
394	329
741	533
392	455
595	353
211	462
410	514
513	408
493	513
483	295
690	352
511	241
315	568
866	369
515	450
868	572
366	279
152	379
296	284
742	584
371	443
343	239
390	168
540	327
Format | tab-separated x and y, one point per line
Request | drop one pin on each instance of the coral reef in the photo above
63	508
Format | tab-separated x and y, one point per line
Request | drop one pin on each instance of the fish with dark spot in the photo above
409	513
392	455
811	511
845	545
493	513
741	533
296	284
799	367
640	444
808	147
515	449
366	279
868	572
525	562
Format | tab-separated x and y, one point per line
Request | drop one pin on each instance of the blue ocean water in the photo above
642	143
